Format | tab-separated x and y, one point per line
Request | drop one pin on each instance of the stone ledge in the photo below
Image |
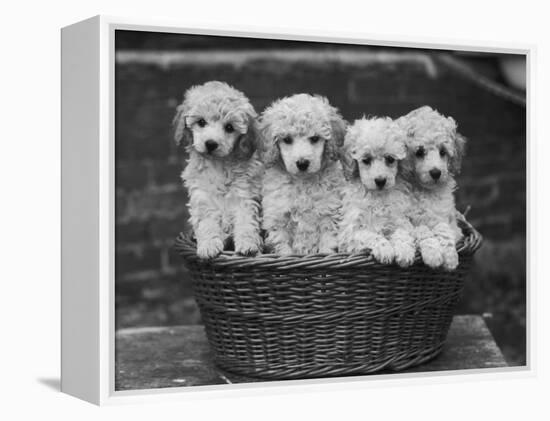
155	357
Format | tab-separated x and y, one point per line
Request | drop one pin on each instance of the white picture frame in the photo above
88	213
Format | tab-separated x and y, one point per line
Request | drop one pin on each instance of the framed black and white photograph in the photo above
247	209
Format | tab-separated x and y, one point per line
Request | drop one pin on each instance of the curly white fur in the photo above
302	184
376	201
223	175
435	152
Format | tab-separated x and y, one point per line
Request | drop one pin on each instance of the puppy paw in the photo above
431	255
247	248
209	249
383	251
404	254
283	250
450	258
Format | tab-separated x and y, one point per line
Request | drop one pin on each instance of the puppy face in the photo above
302	133
378	171
373	148
216	120
213	133
434	148
302	152
430	160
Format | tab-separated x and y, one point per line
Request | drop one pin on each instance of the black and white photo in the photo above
289	209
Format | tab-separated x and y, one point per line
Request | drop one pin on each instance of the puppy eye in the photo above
201	122
287	140
390	159
442	153
420	152
367	160
229	128
314	139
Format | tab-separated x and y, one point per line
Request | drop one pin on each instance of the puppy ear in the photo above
398	136
406	166
248	142
349	165
455	162
267	144
338	128
182	133
459	144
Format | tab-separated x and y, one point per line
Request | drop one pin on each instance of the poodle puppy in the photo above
301	192
376	200
217	123
435	151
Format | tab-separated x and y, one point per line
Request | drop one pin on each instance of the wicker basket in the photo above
323	315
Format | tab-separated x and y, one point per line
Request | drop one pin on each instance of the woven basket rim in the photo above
186	247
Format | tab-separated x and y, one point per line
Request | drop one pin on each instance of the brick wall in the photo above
151	283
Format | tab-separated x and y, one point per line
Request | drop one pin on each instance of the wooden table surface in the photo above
155	357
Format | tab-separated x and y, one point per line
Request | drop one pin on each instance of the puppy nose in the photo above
435	173
302	164
380	182
211	145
